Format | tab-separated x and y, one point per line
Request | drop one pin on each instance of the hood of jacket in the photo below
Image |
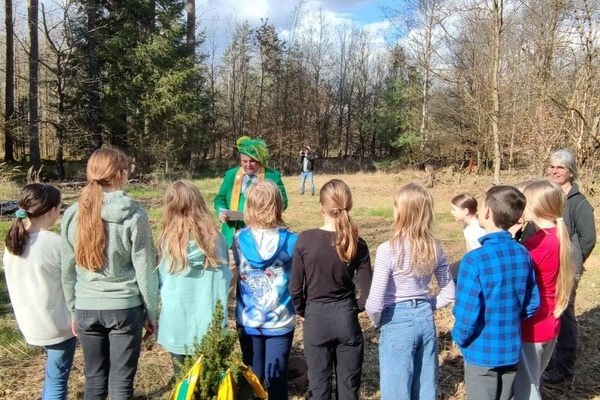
248	247
117	206
195	256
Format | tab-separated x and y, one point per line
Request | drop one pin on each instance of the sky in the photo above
221	15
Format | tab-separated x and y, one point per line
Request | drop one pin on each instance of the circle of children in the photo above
99	281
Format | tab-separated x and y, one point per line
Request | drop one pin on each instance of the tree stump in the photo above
429	176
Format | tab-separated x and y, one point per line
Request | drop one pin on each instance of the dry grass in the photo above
21	367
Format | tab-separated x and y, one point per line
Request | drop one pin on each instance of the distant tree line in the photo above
496	81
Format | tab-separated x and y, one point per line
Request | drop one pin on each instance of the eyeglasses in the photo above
557	167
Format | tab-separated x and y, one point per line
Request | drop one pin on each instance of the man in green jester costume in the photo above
254	158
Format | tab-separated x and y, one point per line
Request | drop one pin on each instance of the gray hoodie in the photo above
129	276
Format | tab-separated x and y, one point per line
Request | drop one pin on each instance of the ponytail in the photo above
566	269
104	169
91	235
35	200
346	237
336	201
16	237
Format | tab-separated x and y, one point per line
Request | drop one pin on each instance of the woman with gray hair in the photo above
579	219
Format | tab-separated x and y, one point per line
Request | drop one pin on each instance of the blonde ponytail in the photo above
336	201
566	271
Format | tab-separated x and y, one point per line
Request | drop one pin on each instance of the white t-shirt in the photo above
35	289
473	232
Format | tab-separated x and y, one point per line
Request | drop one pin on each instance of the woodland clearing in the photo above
21	366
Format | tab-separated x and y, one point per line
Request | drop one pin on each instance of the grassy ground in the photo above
21	366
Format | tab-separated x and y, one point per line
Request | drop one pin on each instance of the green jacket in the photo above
129	277
223	199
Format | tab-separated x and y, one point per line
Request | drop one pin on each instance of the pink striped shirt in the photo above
393	283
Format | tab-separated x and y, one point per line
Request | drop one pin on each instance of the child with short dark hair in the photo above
496	289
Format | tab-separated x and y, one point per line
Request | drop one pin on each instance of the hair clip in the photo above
21	214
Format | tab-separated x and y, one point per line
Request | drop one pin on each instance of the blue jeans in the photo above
111	342
408	352
59	360
307	175
268	357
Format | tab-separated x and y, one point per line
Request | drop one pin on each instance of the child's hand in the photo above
150	327
73	328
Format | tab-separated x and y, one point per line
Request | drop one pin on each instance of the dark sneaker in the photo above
554	377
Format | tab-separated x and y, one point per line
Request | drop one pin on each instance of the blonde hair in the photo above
186	216
336	201
413	222
546	201
264	205
104	169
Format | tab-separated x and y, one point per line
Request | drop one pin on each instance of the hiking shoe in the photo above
554	376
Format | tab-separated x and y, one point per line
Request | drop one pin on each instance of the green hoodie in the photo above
129	276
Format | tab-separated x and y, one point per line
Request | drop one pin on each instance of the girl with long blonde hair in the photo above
400	301
193	270
264	312
109	277
550	249
326	260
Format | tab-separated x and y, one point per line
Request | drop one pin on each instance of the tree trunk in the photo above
34	141
495	88
93	67
9	90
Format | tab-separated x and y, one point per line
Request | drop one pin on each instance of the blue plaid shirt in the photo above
496	289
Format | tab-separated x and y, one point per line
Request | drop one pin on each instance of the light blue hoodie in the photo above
189	298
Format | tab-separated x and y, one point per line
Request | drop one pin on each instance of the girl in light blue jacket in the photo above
193	271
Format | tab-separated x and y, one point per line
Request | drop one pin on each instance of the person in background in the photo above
307	165
32	270
495	290
264	312
399	301
579	219
464	209
193	271
550	249
109	277
254	158
325	262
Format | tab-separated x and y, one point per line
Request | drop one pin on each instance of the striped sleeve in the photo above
379	284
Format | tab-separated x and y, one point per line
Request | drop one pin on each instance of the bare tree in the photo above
34	142
9	89
497	10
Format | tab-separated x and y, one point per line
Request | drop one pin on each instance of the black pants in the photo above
333	339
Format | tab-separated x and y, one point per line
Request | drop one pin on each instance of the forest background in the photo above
502	82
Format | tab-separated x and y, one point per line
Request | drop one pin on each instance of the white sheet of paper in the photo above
234	215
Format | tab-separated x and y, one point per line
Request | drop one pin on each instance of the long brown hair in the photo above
36	199
336	201
414	221
104	169
546	201
185	216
